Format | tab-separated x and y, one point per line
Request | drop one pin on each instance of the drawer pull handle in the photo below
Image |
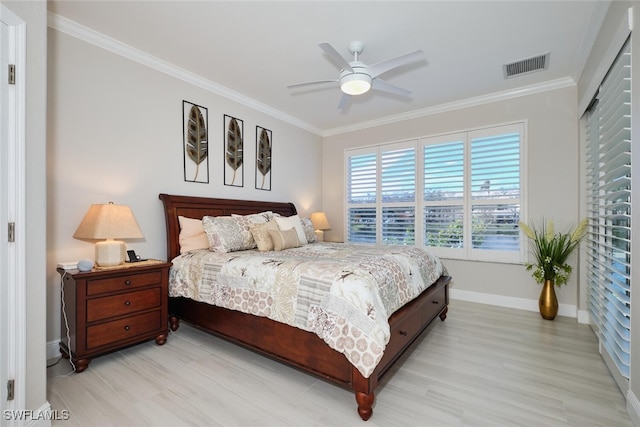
403	333
126	328
435	302
127	282
127	303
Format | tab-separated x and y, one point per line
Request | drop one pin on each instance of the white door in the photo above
12	188
4	179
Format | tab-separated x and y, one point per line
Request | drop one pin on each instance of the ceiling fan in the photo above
357	78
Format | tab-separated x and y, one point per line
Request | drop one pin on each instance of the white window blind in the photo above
472	193
398	190
495	190
443	193
460	194
609	209
381	194
362	190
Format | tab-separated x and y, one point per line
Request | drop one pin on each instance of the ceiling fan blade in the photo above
344	102
311	83
378	68
335	56
388	87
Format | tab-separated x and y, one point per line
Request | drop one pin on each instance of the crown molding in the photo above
457	105
95	38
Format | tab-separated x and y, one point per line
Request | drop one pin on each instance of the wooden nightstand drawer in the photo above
108	309
123	283
117	305
123	329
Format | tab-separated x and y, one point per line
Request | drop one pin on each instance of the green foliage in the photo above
451	237
551	250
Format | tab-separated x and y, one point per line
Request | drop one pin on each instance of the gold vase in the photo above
548	303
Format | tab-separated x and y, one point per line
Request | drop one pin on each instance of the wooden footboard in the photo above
292	346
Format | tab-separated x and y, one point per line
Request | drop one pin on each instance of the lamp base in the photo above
110	253
320	235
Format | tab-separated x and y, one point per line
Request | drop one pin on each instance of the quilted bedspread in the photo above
344	293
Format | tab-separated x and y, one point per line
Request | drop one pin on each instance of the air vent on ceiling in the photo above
525	66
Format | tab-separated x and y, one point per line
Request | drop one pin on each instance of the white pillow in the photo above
289	222
192	236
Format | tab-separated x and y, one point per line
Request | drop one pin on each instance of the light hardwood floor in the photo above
483	366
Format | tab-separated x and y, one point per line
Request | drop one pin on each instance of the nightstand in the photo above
108	309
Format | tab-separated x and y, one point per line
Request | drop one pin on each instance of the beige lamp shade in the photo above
109	221
320	223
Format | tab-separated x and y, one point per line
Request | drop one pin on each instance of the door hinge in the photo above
10	389
12	232
12	74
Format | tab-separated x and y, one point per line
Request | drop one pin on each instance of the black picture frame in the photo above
195	142
264	158
233	151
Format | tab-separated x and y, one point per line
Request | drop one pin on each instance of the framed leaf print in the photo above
233	151
263	158
195	125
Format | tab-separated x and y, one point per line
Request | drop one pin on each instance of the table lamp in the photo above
110	222
320	223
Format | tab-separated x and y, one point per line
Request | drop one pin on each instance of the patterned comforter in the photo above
344	293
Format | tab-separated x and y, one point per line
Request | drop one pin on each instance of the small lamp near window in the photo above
110	222
320	223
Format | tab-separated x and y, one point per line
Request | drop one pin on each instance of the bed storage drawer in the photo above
415	318
436	300
403	332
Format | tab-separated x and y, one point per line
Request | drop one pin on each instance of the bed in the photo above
296	347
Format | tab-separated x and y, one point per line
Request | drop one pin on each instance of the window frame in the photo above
467	252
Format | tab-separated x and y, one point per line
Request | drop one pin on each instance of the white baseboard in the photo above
509	302
633	408
584	317
53	350
42	416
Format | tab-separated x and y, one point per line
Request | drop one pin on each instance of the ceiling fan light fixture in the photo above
355	84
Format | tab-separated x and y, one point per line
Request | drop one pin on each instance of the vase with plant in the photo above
551	250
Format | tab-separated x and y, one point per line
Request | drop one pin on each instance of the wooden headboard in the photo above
198	207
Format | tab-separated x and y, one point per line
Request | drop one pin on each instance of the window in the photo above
609	211
381	194
465	189
472	193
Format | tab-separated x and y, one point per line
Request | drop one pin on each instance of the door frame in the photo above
15	344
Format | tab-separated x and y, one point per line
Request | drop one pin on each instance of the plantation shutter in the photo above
443	192
495	190
398	191
362	190
609	210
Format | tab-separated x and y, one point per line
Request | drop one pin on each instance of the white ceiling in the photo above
257	48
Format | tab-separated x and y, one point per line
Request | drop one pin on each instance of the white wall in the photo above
115	134
552	179
34	13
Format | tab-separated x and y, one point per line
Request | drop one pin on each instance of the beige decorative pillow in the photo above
260	234
286	223
309	231
284	239
192	236
228	234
